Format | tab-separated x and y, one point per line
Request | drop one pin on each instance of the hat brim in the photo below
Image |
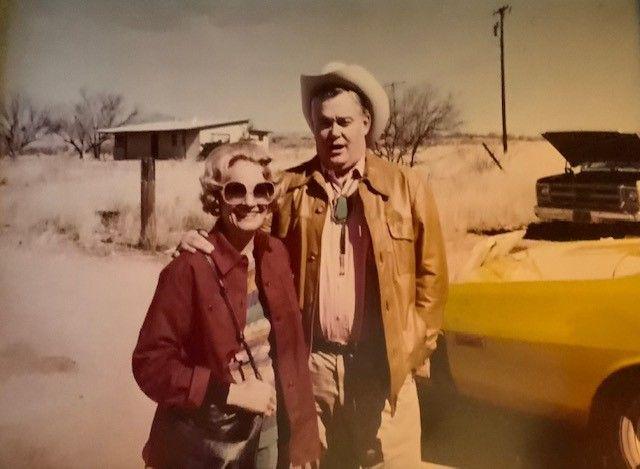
350	77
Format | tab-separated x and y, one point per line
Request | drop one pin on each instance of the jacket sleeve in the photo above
432	282
160	363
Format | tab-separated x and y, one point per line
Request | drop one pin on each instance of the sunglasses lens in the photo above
234	193
263	192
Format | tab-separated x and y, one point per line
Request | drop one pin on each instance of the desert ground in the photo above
74	288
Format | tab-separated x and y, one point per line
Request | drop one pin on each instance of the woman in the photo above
214	326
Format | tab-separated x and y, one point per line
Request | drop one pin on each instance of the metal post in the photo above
148	196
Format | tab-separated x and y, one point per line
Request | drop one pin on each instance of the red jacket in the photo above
188	338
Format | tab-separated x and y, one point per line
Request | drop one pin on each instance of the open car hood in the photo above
580	147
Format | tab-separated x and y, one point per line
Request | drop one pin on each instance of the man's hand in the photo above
254	395
193	241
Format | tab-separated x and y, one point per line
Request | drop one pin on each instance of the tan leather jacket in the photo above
407	243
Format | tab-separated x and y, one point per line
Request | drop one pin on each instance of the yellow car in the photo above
553	329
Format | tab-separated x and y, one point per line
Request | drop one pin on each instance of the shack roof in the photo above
193	124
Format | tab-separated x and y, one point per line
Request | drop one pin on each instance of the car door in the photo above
538	346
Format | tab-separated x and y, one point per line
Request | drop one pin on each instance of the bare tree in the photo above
416	118
21	123
79	126
69	128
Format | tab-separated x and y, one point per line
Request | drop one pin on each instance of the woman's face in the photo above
244	211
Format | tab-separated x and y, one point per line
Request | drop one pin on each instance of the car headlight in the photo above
629	199
543	192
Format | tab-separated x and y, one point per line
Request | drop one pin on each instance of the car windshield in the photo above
627	166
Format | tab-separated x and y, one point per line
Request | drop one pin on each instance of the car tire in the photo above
628	423
617	428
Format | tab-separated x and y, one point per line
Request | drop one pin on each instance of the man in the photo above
370	270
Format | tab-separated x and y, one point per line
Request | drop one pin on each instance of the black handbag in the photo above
214	436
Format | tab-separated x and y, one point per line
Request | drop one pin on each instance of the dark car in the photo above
600	182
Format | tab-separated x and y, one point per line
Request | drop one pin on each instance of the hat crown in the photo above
332	67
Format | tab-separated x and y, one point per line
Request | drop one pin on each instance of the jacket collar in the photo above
357	171
226	256
374	174
311	169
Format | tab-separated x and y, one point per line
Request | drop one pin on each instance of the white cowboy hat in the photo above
353	77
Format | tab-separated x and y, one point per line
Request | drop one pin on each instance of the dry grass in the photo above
474	195
59	194
96	203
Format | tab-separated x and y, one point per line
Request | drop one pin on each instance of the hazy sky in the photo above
571	64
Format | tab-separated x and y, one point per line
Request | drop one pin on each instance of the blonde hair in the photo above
216	170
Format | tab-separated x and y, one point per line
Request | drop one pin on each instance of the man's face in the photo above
247	213
340	128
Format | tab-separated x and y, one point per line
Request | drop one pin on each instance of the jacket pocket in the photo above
402	241
401	229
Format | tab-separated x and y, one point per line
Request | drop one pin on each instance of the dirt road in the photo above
69	323
67	398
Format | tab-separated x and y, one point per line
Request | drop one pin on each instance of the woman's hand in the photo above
193	241
309	465
254	395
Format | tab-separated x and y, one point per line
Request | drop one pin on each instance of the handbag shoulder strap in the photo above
234	319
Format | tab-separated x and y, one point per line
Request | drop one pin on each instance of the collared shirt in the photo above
342	293
247	252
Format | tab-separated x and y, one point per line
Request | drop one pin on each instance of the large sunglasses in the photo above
235	193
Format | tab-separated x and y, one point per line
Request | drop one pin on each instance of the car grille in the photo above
584	196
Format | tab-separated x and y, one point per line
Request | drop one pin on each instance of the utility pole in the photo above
393	85
393	122
499	27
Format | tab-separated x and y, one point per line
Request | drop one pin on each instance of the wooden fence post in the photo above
148	196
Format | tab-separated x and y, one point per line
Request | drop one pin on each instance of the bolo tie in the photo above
340	215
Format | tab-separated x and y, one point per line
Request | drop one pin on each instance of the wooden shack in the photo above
172	140
180	139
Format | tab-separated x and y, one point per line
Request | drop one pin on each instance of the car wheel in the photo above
629	433
617	430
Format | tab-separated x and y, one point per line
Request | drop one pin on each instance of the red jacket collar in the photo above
226	256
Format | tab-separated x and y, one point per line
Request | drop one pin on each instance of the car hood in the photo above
594	177
579	147
509	258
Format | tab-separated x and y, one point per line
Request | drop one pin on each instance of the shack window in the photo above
174	138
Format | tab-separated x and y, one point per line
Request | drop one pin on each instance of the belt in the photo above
332	347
